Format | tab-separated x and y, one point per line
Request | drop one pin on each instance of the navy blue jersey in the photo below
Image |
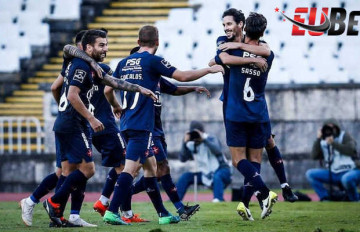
78	73
102	108
167	87
65	65
223	97
246	99
145	70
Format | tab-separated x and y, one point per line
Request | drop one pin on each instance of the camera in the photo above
327	131
194	135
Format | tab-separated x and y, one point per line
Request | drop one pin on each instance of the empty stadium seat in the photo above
6	17
41	8
9	60
12	38
12	6
66	9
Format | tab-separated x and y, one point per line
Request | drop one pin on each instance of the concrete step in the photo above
47	73
136	12
24	99
124	33
33	147
117	26
39	80
38	93
116	39
121	19
24	124
20	106
21	112
29	86
23	135
52	67
168	4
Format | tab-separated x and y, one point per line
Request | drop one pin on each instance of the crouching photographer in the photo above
337	150
212	169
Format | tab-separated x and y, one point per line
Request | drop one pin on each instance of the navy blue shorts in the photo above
159	148
112	149
244	134
60	154
138	145
73	147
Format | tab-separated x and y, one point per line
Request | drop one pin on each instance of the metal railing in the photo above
11	137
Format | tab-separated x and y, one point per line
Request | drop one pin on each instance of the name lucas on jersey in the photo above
132	76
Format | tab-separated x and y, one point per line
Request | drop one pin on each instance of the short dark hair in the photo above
148	36
238	15
90	37
135	49
104	30
79	36
255	25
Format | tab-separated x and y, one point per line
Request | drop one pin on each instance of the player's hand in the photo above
229	46
212	62
217	68
148	93
117	111
201	89
94	65
261	63
96	125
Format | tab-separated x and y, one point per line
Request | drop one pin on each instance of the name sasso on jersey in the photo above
250	71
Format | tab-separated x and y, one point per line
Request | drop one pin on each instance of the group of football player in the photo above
88	106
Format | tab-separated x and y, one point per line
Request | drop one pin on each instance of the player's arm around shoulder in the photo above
226	59
56	88
191	75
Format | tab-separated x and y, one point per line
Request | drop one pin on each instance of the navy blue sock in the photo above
75	180
171	191
139	186
122	189
251	173
60	182
126	204
152	189
46	185
77	198
276	162
248	191
257	166
109	183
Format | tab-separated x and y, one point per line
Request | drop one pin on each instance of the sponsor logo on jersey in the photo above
166	63
79	75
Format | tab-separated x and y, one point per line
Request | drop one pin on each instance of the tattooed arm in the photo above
127	86
72	51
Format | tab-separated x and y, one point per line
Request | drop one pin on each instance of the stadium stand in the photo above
123	19
188	31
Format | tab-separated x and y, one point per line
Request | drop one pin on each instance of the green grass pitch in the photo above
299	216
